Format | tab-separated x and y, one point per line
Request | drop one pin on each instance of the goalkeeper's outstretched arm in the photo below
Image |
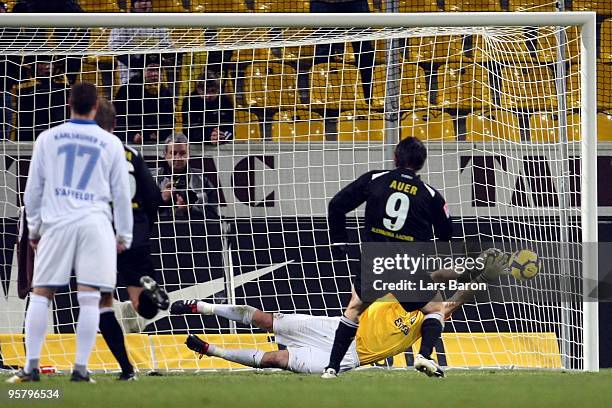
495	264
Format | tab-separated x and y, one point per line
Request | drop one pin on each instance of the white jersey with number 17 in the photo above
78	169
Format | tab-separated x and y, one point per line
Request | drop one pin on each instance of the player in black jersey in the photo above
134	266
399	207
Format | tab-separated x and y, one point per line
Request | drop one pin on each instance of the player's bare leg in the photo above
248	357
35	330
345	334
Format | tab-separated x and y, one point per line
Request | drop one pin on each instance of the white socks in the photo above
35	328
87	327
247	357
238	313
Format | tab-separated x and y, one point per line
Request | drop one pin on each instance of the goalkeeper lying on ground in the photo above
386	329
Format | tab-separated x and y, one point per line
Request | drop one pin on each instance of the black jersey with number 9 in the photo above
399	207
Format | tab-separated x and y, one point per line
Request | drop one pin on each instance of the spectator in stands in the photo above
364	50
208	114
186	191
42	101
131	65
9	72
145	107
47	6
3	7
68	65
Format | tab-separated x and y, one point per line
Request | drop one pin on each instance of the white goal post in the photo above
326	164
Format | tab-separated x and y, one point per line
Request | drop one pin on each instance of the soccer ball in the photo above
524	264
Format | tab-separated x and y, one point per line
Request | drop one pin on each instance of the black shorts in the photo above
133	264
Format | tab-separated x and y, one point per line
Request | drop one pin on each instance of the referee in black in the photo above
134	266
399	207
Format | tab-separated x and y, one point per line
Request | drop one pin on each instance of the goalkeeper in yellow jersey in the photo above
386	329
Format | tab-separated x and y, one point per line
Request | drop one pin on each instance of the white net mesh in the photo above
278	120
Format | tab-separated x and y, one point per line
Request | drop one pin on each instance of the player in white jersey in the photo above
77	170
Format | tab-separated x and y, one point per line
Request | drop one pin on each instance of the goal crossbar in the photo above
221	20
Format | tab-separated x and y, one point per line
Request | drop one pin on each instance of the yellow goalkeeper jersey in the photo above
386	329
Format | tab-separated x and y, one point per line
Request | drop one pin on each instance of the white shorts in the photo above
87	246
309	340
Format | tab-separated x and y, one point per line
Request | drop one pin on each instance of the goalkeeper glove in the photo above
495	264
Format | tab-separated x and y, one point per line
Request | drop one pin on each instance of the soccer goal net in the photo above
252	124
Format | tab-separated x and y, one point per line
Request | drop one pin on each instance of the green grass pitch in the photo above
371	388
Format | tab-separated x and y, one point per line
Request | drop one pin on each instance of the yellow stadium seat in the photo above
246	126
604	127
376	7
412	6
546	44
572	85
544	127
492	126
218	6
443	48
606	41
462	86
532	5
100	6
428	125
193	66
100	69
271	84
168	6
298	126
380	52
276	6
361	127
573	127
599	6
472	5
412	87
604	86
336	86
528	87
229	36
505	49
292	53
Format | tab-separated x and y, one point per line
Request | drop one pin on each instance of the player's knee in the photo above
146	307
275	359
106	300
263	320
46	292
